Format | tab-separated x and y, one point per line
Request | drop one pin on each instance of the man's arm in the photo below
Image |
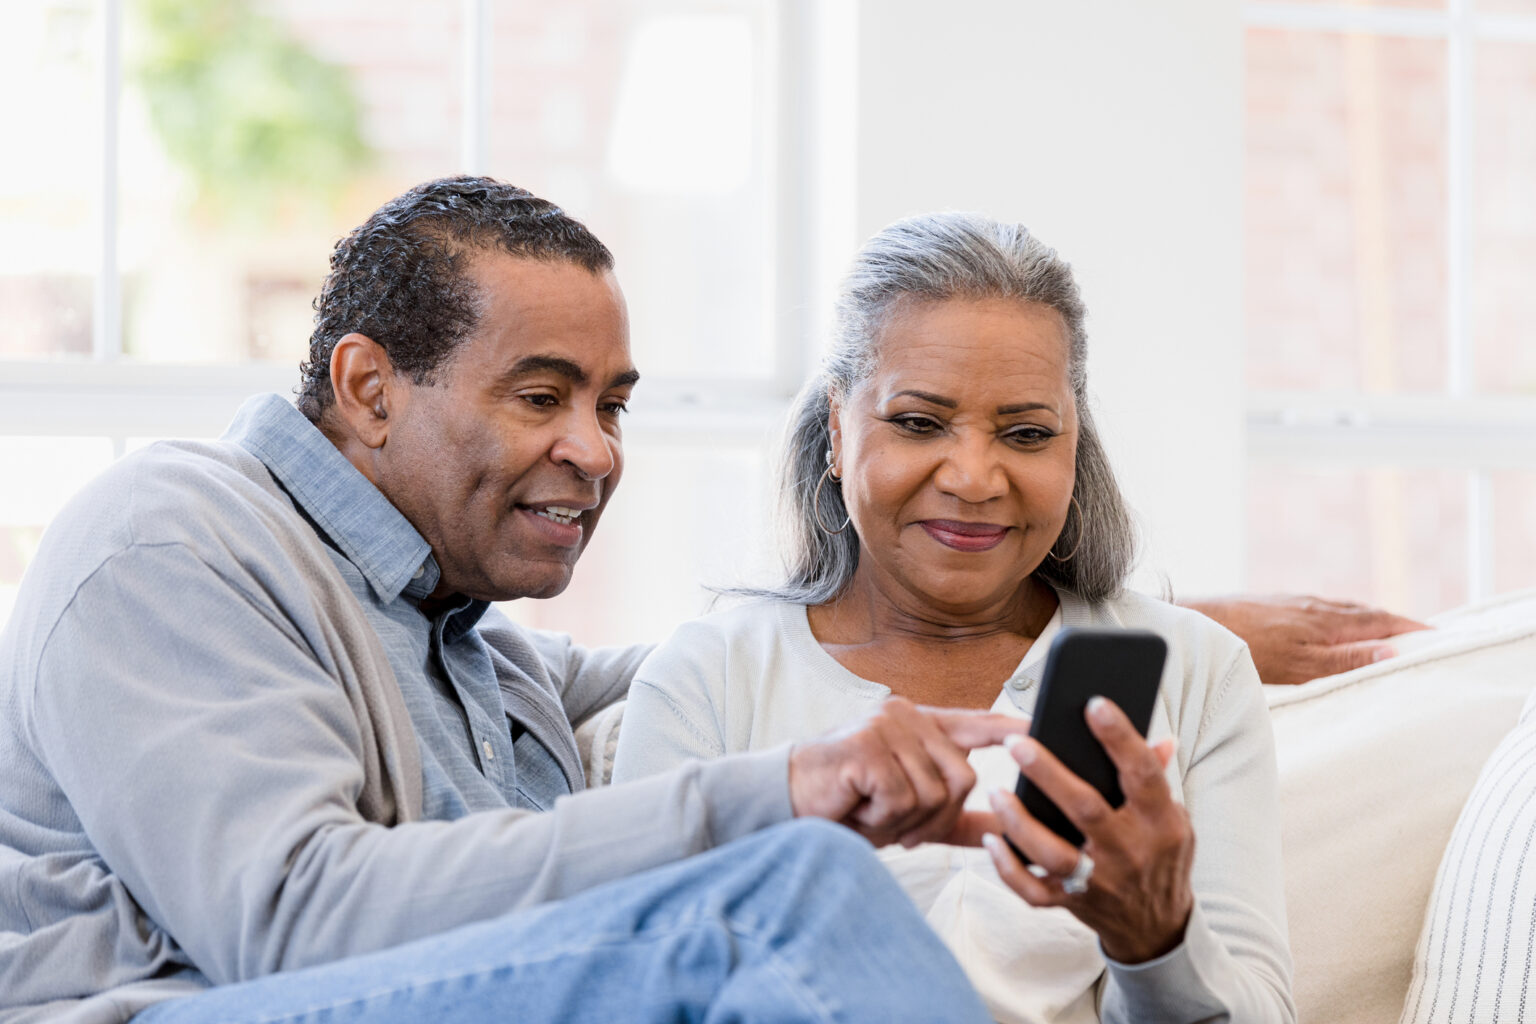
1294	638
216	765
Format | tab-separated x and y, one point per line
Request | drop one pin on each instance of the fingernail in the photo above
1383	653
1012	740
1098	707
1023	750
992	843
995	798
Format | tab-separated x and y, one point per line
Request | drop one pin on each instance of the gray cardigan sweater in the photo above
207	773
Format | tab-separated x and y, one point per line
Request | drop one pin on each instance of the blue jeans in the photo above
798	923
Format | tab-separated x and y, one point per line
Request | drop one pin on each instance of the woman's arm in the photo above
1198	927
674	708
1235	954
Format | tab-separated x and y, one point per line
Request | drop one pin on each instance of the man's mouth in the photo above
558	514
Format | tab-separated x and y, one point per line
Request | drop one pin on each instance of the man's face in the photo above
506	462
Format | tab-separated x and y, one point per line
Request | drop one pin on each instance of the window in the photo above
1391	238
191	163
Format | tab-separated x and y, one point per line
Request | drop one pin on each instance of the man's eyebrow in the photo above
550	364
566	368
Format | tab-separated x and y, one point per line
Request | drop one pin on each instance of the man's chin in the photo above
533	586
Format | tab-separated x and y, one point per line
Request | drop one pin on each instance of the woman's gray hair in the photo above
933	257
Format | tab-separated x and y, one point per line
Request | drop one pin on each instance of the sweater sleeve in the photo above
1234	964
215	767
675	712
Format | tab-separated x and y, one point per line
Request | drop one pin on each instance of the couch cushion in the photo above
1474	958
1374	767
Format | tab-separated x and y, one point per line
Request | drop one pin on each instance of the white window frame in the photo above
109	396
1459	429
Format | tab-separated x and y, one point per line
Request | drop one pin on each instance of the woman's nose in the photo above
971	471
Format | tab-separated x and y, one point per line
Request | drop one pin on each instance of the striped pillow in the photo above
1475	954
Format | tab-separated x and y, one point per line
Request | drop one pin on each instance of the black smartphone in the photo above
1121	665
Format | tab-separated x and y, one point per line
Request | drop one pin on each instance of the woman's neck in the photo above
948	657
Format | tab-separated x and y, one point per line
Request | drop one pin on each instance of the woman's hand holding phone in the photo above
1138	898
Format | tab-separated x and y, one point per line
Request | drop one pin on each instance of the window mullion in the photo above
474	51
1459	141
107	333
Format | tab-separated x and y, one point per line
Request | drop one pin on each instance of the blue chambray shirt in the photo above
469	758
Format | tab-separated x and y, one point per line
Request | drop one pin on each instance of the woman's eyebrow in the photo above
927	396
1009	410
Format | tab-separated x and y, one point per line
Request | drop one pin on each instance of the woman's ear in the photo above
363	381
835	429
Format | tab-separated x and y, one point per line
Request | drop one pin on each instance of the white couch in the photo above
1374	767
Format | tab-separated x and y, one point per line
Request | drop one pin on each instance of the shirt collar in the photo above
352	513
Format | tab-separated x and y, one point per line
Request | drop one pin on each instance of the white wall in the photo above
1113	129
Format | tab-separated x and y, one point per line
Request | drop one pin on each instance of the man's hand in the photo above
1294	639
901	775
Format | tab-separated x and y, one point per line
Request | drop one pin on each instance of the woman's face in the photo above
958	453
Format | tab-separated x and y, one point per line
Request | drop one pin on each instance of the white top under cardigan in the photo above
755	677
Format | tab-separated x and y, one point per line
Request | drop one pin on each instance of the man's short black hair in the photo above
402	277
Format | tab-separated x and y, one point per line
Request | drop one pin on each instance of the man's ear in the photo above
363	380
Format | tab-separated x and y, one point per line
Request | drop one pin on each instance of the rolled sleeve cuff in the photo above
746	792
1170	988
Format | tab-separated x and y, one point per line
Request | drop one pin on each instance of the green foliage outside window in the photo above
254	116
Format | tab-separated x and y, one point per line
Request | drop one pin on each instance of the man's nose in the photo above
586	447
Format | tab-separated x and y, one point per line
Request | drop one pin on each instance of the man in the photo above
268	751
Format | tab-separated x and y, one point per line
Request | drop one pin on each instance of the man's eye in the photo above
615	407
541	401
915	424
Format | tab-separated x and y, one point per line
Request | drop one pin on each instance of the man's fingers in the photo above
971	826
934	812
1336	658
972	729
1358	623
887	789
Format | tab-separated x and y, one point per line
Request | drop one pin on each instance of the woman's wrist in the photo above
1142	948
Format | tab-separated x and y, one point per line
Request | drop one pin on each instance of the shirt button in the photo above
421	570
485	745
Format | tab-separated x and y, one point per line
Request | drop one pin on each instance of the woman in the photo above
952	510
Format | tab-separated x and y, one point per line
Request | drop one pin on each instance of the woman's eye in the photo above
614	408
1029	436
915	424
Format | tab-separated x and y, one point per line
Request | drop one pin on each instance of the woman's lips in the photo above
964	536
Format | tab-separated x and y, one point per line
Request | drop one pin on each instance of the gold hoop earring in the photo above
816	500
1079	543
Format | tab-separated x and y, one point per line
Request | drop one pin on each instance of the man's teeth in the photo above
559	514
